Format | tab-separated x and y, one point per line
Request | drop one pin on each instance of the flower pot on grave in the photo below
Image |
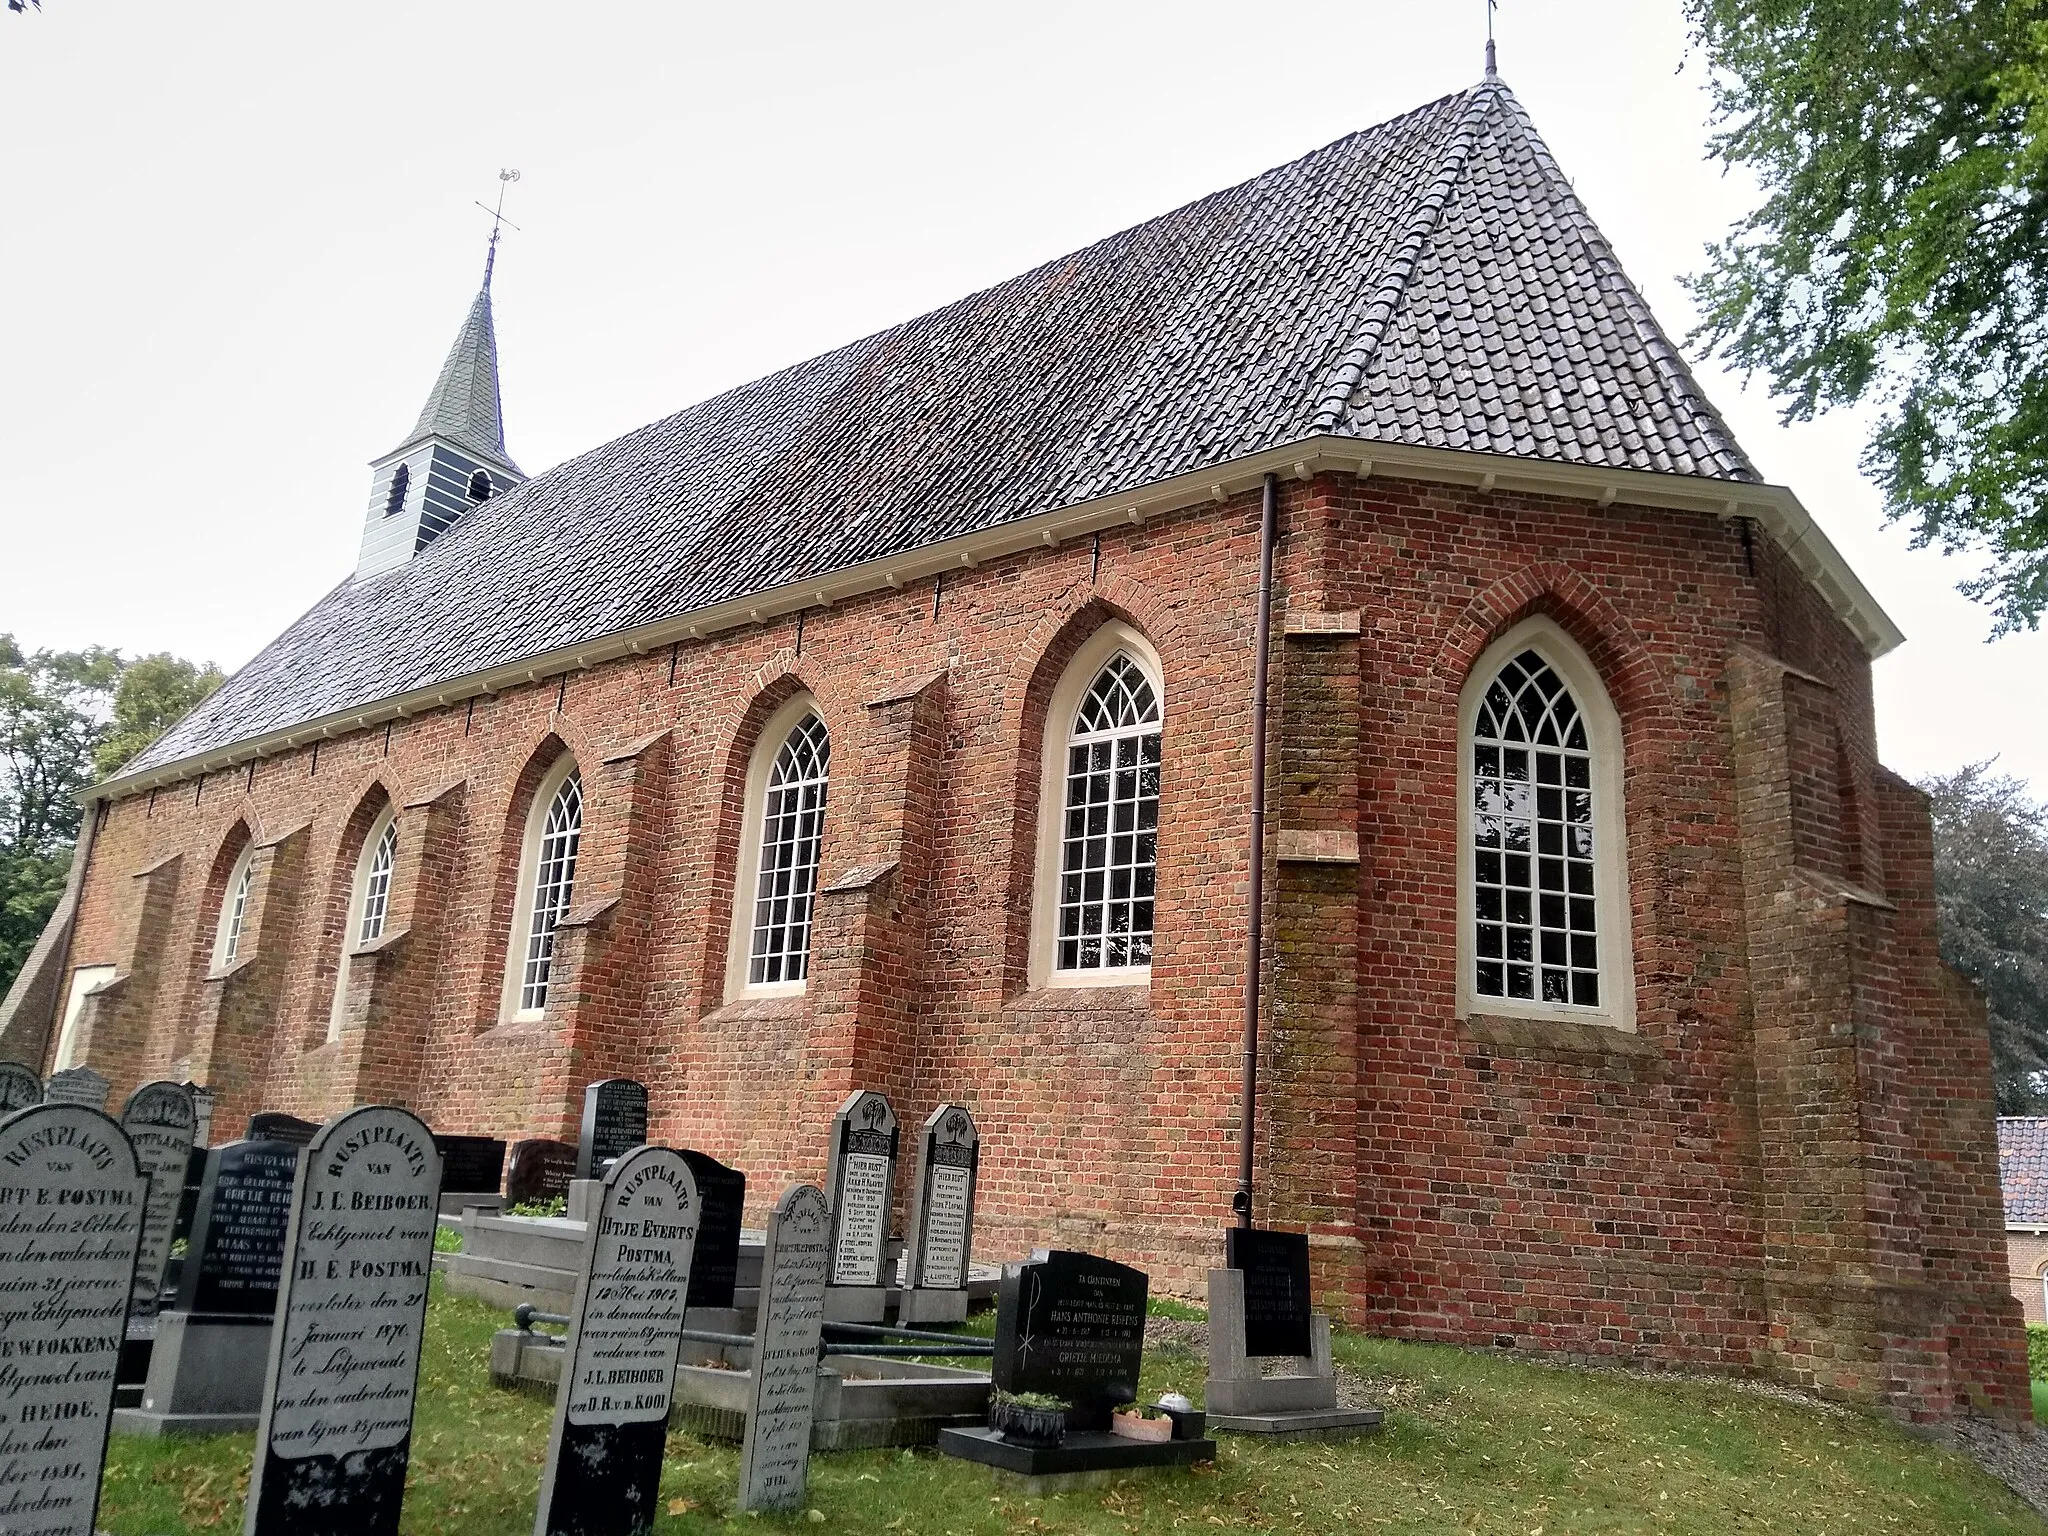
1135	1426
1039	1429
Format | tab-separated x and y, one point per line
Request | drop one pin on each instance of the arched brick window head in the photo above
1109	833
1543	901
547	886
792	840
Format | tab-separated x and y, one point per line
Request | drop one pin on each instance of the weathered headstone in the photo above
1072	1325
202	1113
538	1171
614	1123
722	1191
861	1185
775	1457
941	1217
71	1213
603	1466
19	1087
336	1431
77	1085
158	1121
275	1125
235	1253
1276	1289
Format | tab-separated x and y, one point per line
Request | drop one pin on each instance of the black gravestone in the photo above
238	1231
336	1432
274	1125
19	1087
539	1170
614	1123
471	1165
1073	1326
1276	1298
158	1122
722	1192
181	1232
942	1205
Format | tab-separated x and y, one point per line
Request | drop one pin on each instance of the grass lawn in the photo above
2040	1402
1474	1443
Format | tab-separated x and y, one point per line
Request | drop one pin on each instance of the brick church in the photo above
887	722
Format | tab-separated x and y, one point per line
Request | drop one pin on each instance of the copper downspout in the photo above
1255	900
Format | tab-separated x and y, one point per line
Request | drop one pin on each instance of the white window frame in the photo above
740	942
83	980
352	935
529	871
1617	1008
230	927
1065	704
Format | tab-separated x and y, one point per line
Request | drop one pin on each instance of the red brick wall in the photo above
1542	1186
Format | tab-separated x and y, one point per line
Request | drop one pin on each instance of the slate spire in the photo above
464	407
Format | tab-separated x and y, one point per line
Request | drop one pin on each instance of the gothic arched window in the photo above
1544	923
401	481
369	902
789	842
234	910
547	885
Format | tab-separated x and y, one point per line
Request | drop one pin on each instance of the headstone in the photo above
235	1253
471	1165
1276	1289
614	1123
336	1431
783	1391
77	1085
942	1205
158	1122
202	1113
19	1087
71	1213
1071	1325
715	1270
274	1125
862	1183
603	1466
538	1171
188	1210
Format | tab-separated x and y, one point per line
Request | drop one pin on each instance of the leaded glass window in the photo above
235	912
1109	835
792	839
377	886
1535	937
554	884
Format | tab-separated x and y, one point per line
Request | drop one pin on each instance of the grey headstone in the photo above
71	1210
19	1087
942	1210
603	1466
158	1120
862	1183
775	1458
336	1432
202	1112
77	1085
614	1123
275	1125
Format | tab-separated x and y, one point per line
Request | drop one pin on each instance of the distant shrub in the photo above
2037	1351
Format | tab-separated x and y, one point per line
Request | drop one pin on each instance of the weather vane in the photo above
505	179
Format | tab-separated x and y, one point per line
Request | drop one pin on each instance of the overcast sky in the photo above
238	238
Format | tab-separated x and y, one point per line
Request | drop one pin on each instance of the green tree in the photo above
1991	894
155	693
1900	254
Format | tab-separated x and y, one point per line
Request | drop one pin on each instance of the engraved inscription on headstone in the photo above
233	1257
19	1087
775	1458
942	1212
538	1171
603	1465
1276	1295
71	1198
715	1268
1072	1325
158	1122
77	1085
275	1125
336	1432
471	1165
863	1179
614	1123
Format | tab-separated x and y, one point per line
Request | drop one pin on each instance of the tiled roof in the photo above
2023	1169
1431	281
464	407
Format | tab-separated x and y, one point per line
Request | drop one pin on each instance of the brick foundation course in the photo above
1788	1169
